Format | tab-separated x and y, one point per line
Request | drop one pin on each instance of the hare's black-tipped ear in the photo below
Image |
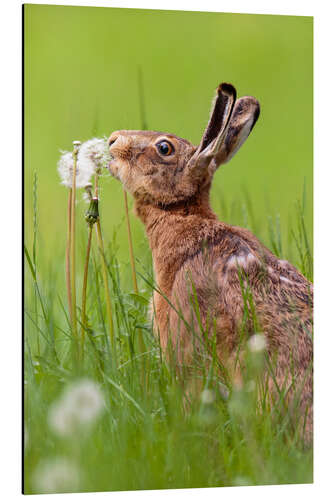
222	107
213	136
244	116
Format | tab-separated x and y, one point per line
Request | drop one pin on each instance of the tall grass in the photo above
146	437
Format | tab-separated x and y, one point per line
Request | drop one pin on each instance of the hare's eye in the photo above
165	148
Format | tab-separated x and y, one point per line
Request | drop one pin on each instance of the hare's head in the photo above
163	169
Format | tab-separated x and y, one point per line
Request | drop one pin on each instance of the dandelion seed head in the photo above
84	171
92	156
65	168
257	342
242	481
56	476
207	396
62	419
80	404
224	391
85	399
94	151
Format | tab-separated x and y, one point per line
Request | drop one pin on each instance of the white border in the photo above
10	362
282	7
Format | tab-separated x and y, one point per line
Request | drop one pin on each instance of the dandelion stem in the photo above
91	217
73	275
105	278
84	290
104	268
68	254
130	242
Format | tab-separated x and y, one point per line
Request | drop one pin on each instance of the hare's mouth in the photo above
114	168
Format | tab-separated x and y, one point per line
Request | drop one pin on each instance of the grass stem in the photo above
132	260
130	243
34	246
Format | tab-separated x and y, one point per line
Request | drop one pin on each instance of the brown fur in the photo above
192	248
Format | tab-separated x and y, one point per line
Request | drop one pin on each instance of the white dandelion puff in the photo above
94	151
80	405
224	391
56	476
207	397
62	419
242	481
86	399
93	155
257	342
65	169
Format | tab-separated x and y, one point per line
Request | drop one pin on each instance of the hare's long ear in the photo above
244	116
214	134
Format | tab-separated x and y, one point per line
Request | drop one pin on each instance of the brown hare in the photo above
194	253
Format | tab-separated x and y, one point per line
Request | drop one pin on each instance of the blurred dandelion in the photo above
86	398
56	476
257	342
207	397
62	419
224	391
242	481
80	405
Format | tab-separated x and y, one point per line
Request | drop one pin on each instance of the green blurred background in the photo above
81	81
